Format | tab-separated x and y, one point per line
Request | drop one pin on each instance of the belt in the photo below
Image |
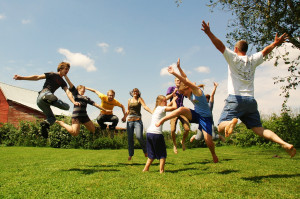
133	119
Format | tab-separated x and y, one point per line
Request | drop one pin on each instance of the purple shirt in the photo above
180	98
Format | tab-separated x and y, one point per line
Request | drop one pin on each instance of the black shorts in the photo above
81	119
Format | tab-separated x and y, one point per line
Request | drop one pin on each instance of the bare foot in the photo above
183	145
175	149
290	150
144	170
59	122
129	157
215	159
193	138
162	171
229	128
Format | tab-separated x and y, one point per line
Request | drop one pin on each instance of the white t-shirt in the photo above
159	113
241	70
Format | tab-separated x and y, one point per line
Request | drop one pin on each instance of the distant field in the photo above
27	172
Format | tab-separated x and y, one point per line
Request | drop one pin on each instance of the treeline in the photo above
286	125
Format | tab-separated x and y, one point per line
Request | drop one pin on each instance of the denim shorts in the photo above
205	123
242	107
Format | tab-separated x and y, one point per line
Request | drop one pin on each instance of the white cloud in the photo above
26	21
104	46
120	50
164	71
78	59
202	69
2	16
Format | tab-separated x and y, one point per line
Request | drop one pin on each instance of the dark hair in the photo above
137	90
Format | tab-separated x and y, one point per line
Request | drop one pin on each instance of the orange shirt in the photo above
109	105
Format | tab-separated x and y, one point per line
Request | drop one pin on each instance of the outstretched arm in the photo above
124	113
70	96
179	68
217	42
93	90
212	97
69	81
145	106
101	108
32	77
277	42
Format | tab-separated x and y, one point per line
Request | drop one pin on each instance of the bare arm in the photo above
69	81
101	108
196	90
145	106
172	106
172	94
217	42
212	97
124	113
179	68
277	42
93	90
70	96
32	77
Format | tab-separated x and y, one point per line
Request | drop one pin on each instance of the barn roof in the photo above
26	97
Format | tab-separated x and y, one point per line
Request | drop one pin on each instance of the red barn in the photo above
18	104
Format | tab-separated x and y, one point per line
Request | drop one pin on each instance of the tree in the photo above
257	22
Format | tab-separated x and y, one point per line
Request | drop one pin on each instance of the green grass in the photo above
27	172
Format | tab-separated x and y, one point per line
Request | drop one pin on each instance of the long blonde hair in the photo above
159	99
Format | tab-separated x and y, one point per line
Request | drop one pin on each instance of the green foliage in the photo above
257	22
286	126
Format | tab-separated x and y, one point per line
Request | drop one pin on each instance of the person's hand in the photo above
205	27
178	63
170	69
108	111
174	92
216	84
124	119
175	98
16	77
77	104
279	40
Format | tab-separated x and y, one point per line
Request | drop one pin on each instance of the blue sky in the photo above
120	45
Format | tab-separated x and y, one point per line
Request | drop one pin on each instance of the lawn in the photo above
28	172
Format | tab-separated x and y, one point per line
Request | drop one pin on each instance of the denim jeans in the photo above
45	107
138	127
107	118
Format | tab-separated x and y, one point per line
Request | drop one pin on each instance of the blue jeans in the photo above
138	127
45	107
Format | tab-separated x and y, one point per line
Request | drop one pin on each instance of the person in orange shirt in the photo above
108	102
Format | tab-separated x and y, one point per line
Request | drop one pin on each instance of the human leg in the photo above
210	144
148	163
138	126
270	135
90	126
114	119
45	107
186	126
100	120
72	129
130	131
173	123
162	163
180	111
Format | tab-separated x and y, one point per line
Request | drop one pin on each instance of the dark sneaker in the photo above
44	128
50	98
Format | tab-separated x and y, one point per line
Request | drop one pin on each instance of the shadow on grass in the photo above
259	178
228	171
203	162
178	170
91	171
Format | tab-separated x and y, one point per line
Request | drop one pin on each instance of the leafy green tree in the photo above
257	22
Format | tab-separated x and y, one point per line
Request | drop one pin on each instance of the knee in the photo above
115	119
66	107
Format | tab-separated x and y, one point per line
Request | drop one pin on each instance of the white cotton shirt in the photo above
159	113
241	71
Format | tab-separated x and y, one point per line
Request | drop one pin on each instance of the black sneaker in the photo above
44	128
50	98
